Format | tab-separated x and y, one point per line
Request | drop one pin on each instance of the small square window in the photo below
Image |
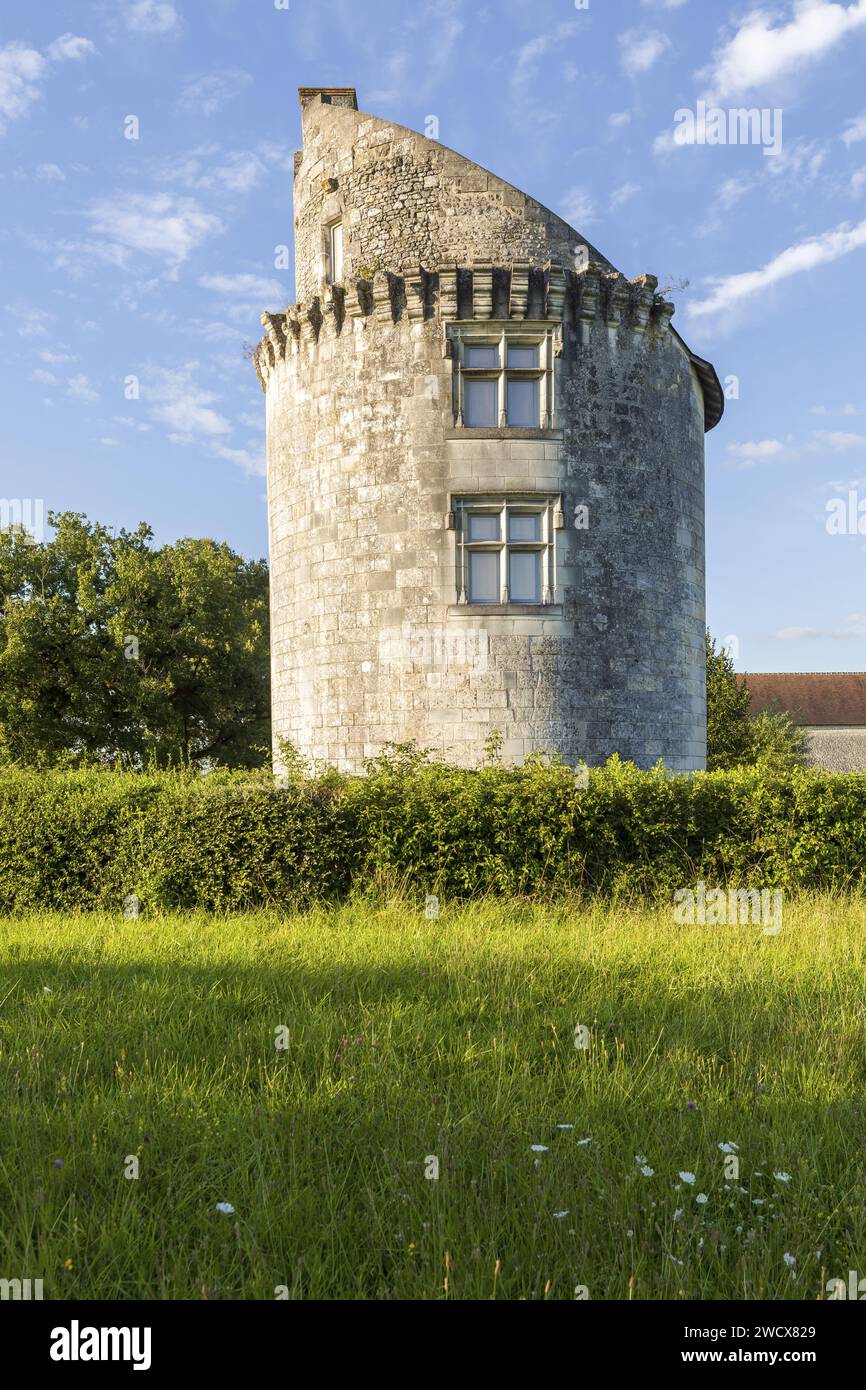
479	404
524	526
522	404
484	576
522	356
481	356
524	576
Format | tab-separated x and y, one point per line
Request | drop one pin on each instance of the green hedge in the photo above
82	840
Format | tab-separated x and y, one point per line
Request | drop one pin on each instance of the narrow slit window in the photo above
335	253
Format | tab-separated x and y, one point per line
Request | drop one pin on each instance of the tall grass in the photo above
410	1039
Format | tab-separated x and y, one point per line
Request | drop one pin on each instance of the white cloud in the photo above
80	388
45	378
251	460
640	49
43	173
855	130
623	194
156	224
70	47
663	4
764	50
794	634
415	66
858	182
617	119
208	168
578	208
524	84
212	91
847	409
756	451
55	358
255	287
32	322
731	290
839	439
176	400
150	16
855	628
23	71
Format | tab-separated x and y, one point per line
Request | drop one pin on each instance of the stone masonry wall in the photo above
407	200
369	644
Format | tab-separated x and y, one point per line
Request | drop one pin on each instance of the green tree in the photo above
111	648
777	742
735	736
729	732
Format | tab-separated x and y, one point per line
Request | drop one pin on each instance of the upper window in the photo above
505	549
503	378
335	254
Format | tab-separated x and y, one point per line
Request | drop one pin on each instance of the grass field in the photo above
409	1039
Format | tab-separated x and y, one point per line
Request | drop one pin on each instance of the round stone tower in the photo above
485	471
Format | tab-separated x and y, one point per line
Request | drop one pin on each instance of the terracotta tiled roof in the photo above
813	698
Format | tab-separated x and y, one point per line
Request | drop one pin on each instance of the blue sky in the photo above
153	257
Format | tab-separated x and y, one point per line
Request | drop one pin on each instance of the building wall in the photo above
407	200
369	644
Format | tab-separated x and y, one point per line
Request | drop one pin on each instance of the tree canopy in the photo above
113	649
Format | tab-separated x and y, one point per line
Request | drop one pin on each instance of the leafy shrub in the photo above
79	840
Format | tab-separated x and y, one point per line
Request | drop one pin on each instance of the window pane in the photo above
479	404
480	356
484	577
522	356
524	576
524	527
484	527
522	404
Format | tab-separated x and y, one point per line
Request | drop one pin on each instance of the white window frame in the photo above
500	336
547	506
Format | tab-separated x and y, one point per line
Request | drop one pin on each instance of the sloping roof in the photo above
813	698
714	396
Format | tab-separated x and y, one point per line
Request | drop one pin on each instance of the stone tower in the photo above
485	471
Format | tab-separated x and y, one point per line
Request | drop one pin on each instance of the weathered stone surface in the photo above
370	644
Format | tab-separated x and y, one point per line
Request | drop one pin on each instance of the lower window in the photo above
506	549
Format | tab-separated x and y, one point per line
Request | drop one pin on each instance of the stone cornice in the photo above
482	291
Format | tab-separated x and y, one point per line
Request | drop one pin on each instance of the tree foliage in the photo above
736	737
113	649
